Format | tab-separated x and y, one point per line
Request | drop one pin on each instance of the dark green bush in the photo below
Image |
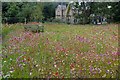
34	28
57	20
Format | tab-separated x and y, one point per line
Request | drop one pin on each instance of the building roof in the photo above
63	7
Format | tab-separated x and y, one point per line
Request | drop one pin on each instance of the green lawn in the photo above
61	51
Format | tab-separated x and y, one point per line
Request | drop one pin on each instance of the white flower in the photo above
30	73
11	71
71	2
108	70
104	75
55	65
36	65
109	6
39	69
10	59
23	64
50	73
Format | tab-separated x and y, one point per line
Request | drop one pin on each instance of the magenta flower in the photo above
82	39
91	68
115	53
109	62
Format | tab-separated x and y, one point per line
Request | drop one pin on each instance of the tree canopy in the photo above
33	11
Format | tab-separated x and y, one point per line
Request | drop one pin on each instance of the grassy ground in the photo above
62	51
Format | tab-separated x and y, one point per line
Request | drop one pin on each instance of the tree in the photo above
69	7
85	9
37	13
27	10
18	12
116	10
49	10
81	11
10	11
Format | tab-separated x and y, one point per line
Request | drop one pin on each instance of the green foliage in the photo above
84	15
100	47
44	11
57	20
68	9
34	28
6	30
49	10
18	12
116	10
41	55
96	8
37	12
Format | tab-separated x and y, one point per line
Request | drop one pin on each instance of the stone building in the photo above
60	13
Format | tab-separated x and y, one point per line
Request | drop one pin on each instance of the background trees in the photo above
49	10
88	11
116	12
26	11
21	12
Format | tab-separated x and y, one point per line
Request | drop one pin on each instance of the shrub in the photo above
34	28
57	20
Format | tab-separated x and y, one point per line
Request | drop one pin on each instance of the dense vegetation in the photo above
18	12
62	51
23	11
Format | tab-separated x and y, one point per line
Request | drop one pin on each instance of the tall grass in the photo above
61	51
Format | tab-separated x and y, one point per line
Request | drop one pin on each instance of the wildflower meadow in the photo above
61	51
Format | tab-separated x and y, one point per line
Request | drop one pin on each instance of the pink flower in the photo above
91	68
109	62
72	66
56	74
82	39
115	53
